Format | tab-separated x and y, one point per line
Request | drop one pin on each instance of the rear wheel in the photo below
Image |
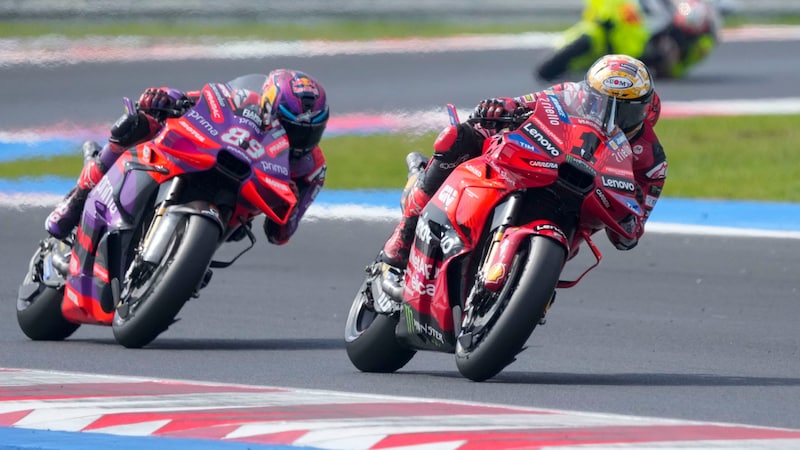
370	337
40	317
154	294
38	305
497	326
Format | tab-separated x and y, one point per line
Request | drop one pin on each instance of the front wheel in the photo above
156	293
497	330
370	337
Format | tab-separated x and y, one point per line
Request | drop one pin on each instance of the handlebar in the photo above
182	106
516	119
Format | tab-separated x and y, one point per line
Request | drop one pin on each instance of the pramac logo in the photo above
213	106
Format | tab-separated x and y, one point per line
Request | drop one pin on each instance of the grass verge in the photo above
321	29
743	158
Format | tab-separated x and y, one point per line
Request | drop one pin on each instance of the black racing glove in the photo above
503	108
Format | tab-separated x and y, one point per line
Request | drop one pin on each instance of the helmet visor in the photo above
609	112
599	108
303	133
630	114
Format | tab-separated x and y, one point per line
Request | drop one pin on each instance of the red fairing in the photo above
554	153
467	198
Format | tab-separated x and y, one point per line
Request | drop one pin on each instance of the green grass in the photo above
745	158
323	29
327	30
732	158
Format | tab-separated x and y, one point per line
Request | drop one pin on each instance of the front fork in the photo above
506	240
152	250
158	235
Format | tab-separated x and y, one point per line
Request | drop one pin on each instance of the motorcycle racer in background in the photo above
290	100
669	36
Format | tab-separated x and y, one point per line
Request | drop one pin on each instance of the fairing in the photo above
219	148
569	180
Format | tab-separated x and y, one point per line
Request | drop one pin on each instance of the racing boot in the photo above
67	214
397	248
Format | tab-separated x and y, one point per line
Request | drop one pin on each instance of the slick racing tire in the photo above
40	316
151	306
370	338
507	320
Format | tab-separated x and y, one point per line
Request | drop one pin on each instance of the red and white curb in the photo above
130	406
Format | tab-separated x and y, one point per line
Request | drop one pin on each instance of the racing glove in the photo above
162	102
497	108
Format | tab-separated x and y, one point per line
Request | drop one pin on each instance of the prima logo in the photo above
105	191
203	122
268	166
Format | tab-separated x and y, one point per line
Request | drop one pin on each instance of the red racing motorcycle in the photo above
491	244
152	225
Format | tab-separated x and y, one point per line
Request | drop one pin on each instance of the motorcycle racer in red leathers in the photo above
624	79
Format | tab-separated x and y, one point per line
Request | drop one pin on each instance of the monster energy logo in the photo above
409	319
416	327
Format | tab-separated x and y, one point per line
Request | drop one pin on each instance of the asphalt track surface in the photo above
690	327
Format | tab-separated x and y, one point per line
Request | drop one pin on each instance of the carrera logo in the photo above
599	193
543	164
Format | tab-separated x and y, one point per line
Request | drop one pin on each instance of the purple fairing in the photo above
214	118
101	210
211	120
107	156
